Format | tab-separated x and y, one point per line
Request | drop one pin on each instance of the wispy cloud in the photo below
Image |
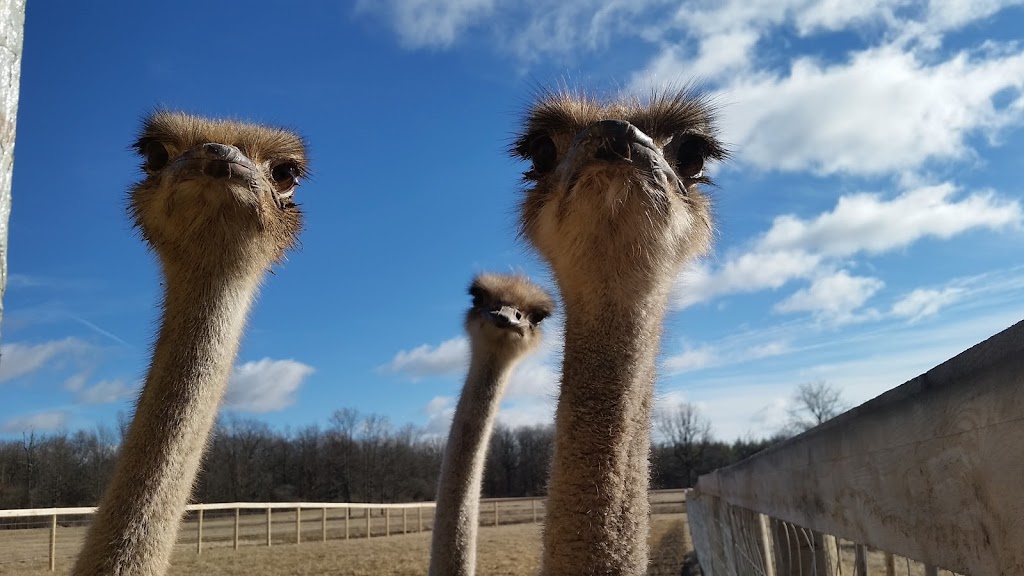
448	357
265	385
923	302
105	392
18	359
38	422
97	329
743	392
16	281
429	23
691	358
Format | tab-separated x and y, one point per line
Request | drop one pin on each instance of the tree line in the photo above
355	458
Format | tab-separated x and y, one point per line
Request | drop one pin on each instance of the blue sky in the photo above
869	226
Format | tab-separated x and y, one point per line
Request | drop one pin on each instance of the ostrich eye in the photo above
156	156
543	154
690	152
537	316
285	176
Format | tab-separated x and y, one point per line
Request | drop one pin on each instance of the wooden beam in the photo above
929	470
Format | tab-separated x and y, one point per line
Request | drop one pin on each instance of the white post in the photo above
199	533
323	523
53	543
12	35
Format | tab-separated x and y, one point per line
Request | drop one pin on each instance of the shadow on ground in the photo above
670	551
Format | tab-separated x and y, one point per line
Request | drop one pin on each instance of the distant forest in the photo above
356	458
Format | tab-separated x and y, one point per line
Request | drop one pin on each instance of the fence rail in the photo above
30	537
929	471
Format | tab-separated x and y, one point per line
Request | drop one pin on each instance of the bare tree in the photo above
686	433
814	403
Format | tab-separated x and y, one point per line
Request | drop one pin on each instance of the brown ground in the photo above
510	550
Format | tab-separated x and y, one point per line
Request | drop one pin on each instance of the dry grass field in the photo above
511	550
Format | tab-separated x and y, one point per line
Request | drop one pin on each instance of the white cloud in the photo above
835	296
18	359
429	23
265	385
745	272
76	381
448	357
769	349
884	111
527	413
106	392
690	359
40	422
864	223
440	411
923	302
535	377
745	394
870	223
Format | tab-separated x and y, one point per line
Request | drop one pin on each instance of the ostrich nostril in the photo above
219	151
613	149
519	315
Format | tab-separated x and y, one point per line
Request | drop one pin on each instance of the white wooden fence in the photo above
29	537
932	470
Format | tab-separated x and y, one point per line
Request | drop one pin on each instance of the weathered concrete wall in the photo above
12	34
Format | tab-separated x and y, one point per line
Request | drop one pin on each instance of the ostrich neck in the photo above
597	521
135	527
453	548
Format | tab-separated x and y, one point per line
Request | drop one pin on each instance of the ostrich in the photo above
612	203
216	206
503	324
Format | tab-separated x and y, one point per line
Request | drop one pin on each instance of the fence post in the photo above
890	564
367	511
419	518
387	521
323	524
495	512
53	543
236	529
199	533
346	521
268	527
767	550
860	559
404	524
298	525
533	507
